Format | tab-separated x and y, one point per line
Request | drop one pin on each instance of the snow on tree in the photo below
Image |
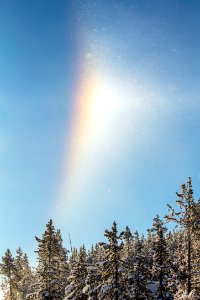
196	252
160	267
175	245
127	261
75	288
63	263
9	273
24	275
139	274
110	266
93	279
188	219
148	246
52	263
182	294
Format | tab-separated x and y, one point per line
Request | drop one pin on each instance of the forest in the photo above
160	264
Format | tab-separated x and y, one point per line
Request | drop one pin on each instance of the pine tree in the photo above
127	238
148	249
138	274
63	264
92	282
127	261
196	252
188	219
24	275
75	288
52	261
9	273
110	267
174	277
93	279
160	268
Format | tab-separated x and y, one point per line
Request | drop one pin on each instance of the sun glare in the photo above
105	107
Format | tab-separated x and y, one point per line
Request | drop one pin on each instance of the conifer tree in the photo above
51	258
127	238
73	256
148	249
173	245
110	267
24	275
93	278
63	263
127	261
160	265
196	252
138	274
160	268
92	281
188	219
78	272
9	273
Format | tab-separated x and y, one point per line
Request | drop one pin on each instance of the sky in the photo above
99	115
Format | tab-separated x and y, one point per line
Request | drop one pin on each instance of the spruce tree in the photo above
127	261
160	268
51	259
172	240
148	249
24	275
93	279
63	263
138	274
188	219
110	267
76	280
9	274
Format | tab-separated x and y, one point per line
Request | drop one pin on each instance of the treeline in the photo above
160	265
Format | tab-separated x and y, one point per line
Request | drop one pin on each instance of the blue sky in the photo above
148	53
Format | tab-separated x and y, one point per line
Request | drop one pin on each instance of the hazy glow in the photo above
106	102
104	110
113	110
107	111
97	106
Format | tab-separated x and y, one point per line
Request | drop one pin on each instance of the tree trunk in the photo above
10	286
189	267
116	280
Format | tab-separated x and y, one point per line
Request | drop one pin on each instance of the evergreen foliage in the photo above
161	265
24	275
188	219
9	272
77	278
52	268
110	266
